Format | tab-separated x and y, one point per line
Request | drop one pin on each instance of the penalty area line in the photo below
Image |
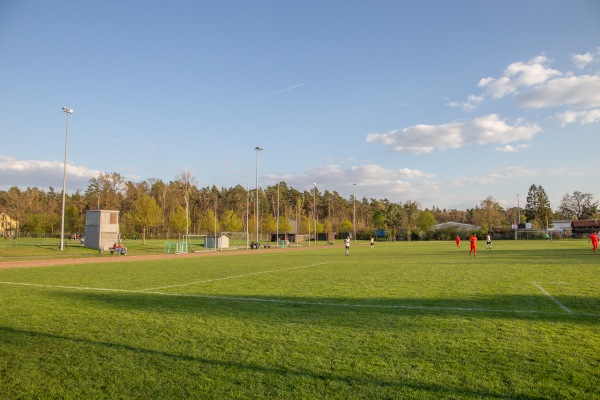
554	299
232	277
306	303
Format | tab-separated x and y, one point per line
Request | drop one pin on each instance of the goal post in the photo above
196	243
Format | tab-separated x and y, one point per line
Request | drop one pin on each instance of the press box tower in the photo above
101	229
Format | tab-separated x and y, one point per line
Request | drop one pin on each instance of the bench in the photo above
113	251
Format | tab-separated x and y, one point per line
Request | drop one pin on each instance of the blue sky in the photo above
440	102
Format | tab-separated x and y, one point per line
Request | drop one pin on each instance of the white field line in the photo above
233	277
69	287
571	283
302	303
558	303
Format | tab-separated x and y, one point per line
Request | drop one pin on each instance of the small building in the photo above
562	225
101	229
457	226
8	226
219	242
584	227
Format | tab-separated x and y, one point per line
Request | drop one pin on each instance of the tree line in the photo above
168	209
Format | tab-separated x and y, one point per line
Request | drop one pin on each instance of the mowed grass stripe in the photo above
302	303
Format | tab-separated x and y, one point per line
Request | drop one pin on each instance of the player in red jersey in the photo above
594	240
473	242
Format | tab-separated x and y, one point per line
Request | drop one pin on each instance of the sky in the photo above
441	102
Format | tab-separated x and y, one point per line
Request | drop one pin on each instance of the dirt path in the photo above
129	258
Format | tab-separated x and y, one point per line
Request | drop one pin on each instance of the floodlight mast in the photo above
62	225
518	223
315	210
257	148
354	210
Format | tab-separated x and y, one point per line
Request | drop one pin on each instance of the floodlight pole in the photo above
256	200
519	211
354	211
62	225
277	240
315	210
247	212
215	243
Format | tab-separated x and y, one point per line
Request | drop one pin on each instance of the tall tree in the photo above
490	214
579	205
346	228
537	208
269	223
179	221
231	222
186	181
394	217
410	214
109	188
380	219
145	214
425	221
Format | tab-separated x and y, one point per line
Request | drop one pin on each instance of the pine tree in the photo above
537	209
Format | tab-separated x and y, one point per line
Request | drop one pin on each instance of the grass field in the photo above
420	320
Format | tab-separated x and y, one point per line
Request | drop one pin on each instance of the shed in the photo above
101	229
219	242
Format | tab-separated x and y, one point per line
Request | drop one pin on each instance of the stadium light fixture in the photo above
62	225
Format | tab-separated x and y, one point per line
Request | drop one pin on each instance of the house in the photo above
584	227
8	226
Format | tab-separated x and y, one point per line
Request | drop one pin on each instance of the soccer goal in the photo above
176	247
197	243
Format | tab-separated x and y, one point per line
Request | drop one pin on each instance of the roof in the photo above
561	225
461	226
586	223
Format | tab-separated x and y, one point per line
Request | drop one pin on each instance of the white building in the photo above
221	242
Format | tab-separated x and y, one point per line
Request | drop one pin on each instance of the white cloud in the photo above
583	117
581	60
420	139
43	174
495	176
370	179
471	104
519	74
512	149
575	91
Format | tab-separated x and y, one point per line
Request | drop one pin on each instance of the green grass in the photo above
44	248
418	320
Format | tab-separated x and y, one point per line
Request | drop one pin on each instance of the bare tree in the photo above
186	182
579	205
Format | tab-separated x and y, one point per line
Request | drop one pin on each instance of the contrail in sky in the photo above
267	95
